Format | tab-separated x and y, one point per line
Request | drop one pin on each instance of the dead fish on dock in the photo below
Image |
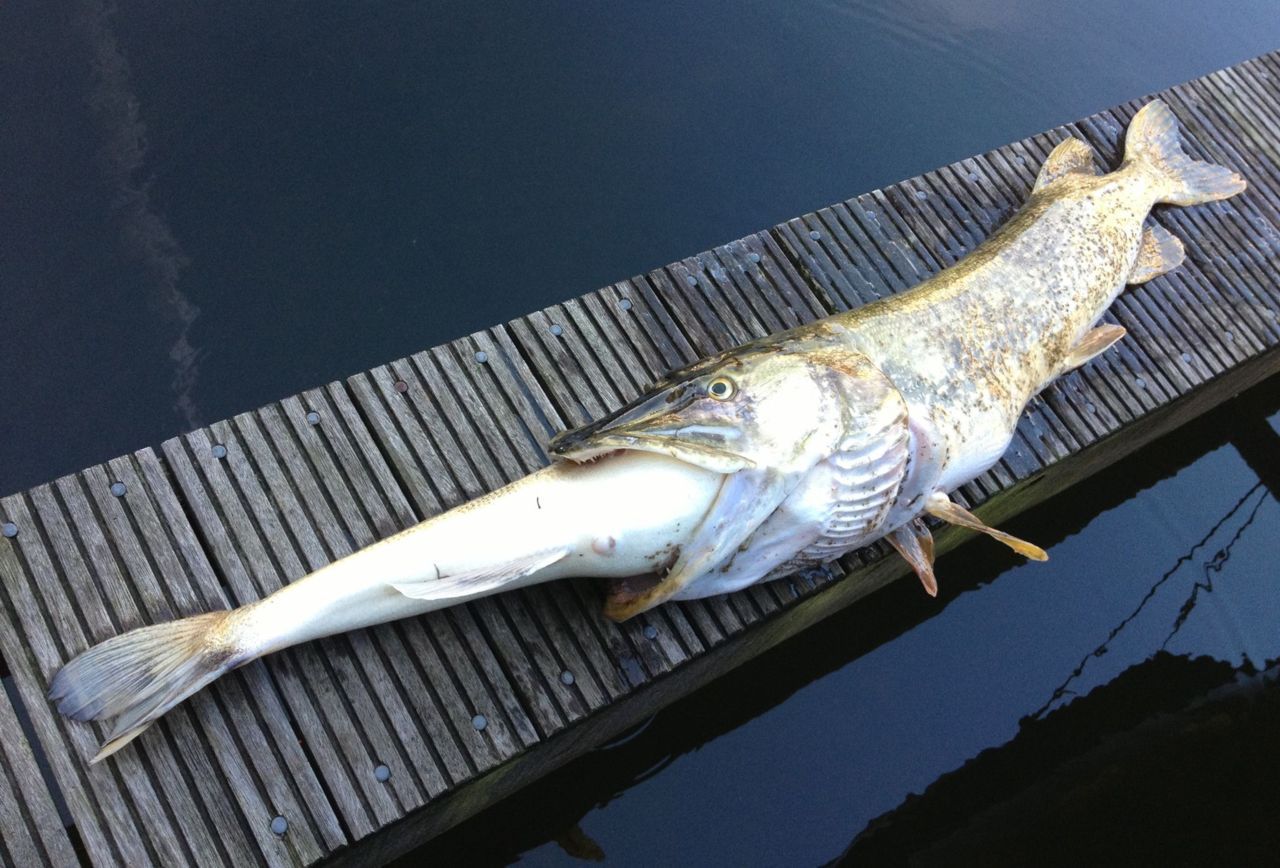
783	453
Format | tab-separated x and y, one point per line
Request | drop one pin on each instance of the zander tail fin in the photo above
1153	141
137	676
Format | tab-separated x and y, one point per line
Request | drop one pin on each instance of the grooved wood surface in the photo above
444	701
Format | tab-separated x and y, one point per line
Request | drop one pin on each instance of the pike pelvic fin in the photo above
1153	142
915	543
1070	157
1159	252
1094	343
940	506
137	676
482	580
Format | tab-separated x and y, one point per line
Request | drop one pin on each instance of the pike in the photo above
784	453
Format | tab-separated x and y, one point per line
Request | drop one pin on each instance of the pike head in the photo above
762	415
777	405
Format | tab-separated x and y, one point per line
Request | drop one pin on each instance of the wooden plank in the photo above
31	832
365	743
193	771
247	566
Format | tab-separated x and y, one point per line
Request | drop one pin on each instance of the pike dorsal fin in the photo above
1071	156
1159	252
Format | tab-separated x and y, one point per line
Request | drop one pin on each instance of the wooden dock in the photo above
357	747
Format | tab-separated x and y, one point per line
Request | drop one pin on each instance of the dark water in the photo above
208	206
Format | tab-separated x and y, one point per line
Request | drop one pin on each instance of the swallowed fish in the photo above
784	453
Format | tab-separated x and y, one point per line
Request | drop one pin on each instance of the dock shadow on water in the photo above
1115	704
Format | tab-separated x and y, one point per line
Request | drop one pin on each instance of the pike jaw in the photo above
765	407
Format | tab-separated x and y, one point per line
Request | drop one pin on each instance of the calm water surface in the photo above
206	207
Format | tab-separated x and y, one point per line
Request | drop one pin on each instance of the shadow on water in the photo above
1173	762
773	718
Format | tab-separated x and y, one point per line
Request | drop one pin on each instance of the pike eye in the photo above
721	388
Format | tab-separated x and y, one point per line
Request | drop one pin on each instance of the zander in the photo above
784	453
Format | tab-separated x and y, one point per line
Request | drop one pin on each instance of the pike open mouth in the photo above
590	457
709	456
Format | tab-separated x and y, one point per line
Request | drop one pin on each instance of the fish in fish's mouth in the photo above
765	417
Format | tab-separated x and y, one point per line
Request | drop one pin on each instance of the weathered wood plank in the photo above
31	832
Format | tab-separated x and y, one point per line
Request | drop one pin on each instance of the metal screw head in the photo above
973	176
401	386
9	529
313	418
624	303
482	356
691	279
1091	408
753	256
1229	336
118	489
1139	382
279	825
650	631
479	722
382	774
566	678
556	330
1186	357
921	194
815	234
218	451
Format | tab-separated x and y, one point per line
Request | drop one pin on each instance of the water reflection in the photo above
1161	571
1173	762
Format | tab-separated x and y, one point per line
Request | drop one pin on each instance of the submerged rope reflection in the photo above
1215	565
1219	560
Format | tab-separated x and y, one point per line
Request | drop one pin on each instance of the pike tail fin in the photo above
1153	141
137	676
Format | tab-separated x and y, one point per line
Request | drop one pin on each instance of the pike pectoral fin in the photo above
940	506
1095	342
1158	253
745	500
1069	157
915	543
489	578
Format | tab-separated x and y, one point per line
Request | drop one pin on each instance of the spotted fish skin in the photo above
969	347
